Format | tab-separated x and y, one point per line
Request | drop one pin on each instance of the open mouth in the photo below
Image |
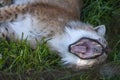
87	48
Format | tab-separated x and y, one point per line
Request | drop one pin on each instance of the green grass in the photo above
18	61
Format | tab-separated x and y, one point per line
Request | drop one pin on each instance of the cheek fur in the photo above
61	45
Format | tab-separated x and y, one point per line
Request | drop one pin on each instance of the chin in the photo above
81	64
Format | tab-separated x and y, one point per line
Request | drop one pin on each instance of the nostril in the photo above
97	50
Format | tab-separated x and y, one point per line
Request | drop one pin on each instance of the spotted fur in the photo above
53	21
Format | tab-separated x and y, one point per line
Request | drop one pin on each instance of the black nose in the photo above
107	49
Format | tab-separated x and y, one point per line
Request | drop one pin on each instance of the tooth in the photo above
95	54
80	42
98	45
94	43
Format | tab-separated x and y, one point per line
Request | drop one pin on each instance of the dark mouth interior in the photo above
86	48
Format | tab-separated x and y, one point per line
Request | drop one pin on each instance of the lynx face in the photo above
81	46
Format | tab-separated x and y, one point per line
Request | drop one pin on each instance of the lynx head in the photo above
81	46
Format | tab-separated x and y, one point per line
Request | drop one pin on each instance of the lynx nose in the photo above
107	50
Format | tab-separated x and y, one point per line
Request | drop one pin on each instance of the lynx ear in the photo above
100	30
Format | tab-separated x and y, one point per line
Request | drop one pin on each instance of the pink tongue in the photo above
78	49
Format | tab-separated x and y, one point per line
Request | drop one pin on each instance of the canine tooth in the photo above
80	43
98	45
94	43
95	54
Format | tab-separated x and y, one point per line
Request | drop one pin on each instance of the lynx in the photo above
79	45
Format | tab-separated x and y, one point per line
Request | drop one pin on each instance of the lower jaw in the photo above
92	63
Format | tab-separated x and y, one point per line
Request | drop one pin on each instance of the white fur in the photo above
24	1
61	43
22	27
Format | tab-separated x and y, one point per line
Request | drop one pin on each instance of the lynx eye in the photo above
86	48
